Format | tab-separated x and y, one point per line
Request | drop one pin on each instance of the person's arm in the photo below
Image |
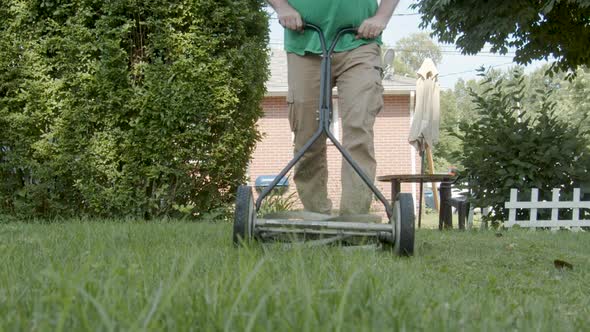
288	16
373	26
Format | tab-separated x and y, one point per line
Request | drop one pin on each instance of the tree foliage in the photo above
457	106
414	49
411	52
127	107
506	147
536	29
447	145
571	98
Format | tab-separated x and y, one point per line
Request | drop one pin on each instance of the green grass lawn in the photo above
188	276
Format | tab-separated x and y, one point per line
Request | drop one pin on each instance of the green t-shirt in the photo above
330	16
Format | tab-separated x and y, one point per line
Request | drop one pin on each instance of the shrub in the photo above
128	107
277	202
505	148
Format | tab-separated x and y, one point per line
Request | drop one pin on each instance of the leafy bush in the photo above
127	107
505	148
277	202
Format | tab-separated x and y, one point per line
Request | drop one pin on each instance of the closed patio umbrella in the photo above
424	131
426	121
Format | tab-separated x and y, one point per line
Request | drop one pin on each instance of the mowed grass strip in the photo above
108	275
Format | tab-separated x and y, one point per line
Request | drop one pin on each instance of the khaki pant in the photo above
357	74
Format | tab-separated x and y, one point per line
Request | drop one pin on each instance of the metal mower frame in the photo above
397	234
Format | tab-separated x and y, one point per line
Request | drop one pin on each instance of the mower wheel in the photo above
244	215
403	216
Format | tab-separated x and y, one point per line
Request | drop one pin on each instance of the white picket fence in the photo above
555	204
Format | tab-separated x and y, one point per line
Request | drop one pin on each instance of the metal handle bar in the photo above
327	52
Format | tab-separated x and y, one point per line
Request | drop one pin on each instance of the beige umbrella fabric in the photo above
424	131
426	121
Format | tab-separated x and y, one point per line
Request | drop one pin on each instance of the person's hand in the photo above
371	27
289	18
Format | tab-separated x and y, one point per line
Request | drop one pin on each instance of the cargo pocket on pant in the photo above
377	97
292	115
376	75
379	73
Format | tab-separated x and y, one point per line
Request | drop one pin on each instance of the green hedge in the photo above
128	107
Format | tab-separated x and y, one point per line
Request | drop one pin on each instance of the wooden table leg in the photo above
395	189
461	214
445	216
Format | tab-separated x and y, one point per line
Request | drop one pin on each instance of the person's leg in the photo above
360	97
311	172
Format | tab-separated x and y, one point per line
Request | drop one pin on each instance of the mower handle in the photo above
326	52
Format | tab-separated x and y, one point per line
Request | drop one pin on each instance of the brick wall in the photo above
393	153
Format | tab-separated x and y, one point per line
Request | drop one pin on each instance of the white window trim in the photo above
335	123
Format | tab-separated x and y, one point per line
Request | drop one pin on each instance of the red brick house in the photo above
393	152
